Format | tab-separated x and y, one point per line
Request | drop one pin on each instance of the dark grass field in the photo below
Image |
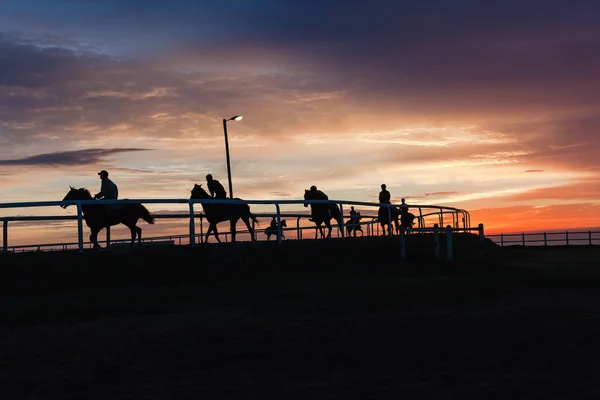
311	319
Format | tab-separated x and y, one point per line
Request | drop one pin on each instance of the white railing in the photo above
440	211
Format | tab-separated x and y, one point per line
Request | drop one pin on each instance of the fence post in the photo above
278	211
449	243
342	225
107	236
436	240
589	237
402	244
390	229
192	225
502	239
545	239
79	227
5	236
481	234
201	236
523	238
567	237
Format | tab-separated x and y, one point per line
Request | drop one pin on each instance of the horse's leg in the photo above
328	225
320	229
232	223
216	231
94	237
246	220
212	227
132	230
138	230
208	233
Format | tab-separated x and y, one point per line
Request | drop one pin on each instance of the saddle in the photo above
112	211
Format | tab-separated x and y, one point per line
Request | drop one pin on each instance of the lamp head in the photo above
236	118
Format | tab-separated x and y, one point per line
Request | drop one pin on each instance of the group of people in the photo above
385	197
109	191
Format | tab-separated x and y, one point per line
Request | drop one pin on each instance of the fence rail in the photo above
563	238
457	215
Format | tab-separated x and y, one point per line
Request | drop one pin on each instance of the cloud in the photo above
535	170
69	158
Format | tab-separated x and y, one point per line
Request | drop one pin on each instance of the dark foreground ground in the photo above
317	319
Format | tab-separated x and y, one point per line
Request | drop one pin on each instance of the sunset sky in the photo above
493	107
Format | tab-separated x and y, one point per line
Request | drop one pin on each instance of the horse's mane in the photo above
83	190
198	188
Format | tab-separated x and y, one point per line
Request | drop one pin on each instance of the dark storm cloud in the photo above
69	158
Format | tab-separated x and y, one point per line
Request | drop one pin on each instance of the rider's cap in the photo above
103	172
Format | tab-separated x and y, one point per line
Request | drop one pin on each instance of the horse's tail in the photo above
336	214
146	216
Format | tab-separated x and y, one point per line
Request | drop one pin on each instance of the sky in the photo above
493	107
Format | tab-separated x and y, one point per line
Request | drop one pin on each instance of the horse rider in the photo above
217	190
384	195
108	189
273	224
318	195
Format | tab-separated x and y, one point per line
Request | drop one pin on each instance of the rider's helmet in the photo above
209	177
313	188
103	174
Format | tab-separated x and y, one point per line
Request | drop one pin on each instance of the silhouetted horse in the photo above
272	230
407	220
354	225
384	218
98	216
216	213
322	213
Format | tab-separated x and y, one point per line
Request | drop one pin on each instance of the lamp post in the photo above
234	118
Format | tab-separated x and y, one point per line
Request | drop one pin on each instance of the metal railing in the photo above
563	238
440	211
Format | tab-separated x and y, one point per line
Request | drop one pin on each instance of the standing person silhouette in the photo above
215	188
403	207
353	215
384	195
108	189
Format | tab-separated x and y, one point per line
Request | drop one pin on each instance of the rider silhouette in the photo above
108	189
273	223
215	188
384	195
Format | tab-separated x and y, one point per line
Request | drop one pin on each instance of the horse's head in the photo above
306	196
198	192
76	194
283	223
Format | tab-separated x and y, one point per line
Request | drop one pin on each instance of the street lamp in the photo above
234	118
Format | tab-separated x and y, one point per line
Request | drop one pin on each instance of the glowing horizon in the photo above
484	111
